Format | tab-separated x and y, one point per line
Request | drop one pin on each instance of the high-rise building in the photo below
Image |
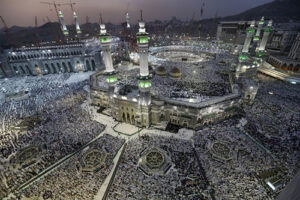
250	33
295	50
63	24
78	30
266	35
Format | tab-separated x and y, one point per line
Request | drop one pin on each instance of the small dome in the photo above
175	72
161	71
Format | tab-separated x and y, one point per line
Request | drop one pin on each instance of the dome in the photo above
175	73
161	71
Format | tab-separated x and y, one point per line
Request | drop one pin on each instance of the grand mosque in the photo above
181	85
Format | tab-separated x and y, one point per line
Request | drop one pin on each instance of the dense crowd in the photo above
234	178
274	120
70	182
64	127
182	181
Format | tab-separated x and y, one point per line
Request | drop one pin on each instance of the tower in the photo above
258	30
250	33
295	50
219	31
265	38
127	20
105	43
78	30
110	73
144	79
63	25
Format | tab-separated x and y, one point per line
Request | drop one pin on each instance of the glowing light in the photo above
271	186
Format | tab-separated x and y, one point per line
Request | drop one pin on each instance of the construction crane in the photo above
55	5
71	4
38	39
87	26
6	31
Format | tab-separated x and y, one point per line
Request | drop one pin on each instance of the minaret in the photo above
258	30
110	73
78	30
219	31
265	38
144	77
142	42
105	43
250	33
127	20
63	25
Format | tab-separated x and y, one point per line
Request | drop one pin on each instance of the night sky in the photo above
22	12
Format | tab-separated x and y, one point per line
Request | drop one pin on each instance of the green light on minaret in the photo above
104	39
111	79
143	39
243	57
256	38
145	84
268	29
251	30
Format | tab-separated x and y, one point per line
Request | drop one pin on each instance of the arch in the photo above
123	117
88	66
47	69
290	67
296	68
93	65
132	119
284	67
65	67
128	117
78	66
22	70
185	124
16	69
199	120
70	67
29	70
38	70
59	68
53	68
